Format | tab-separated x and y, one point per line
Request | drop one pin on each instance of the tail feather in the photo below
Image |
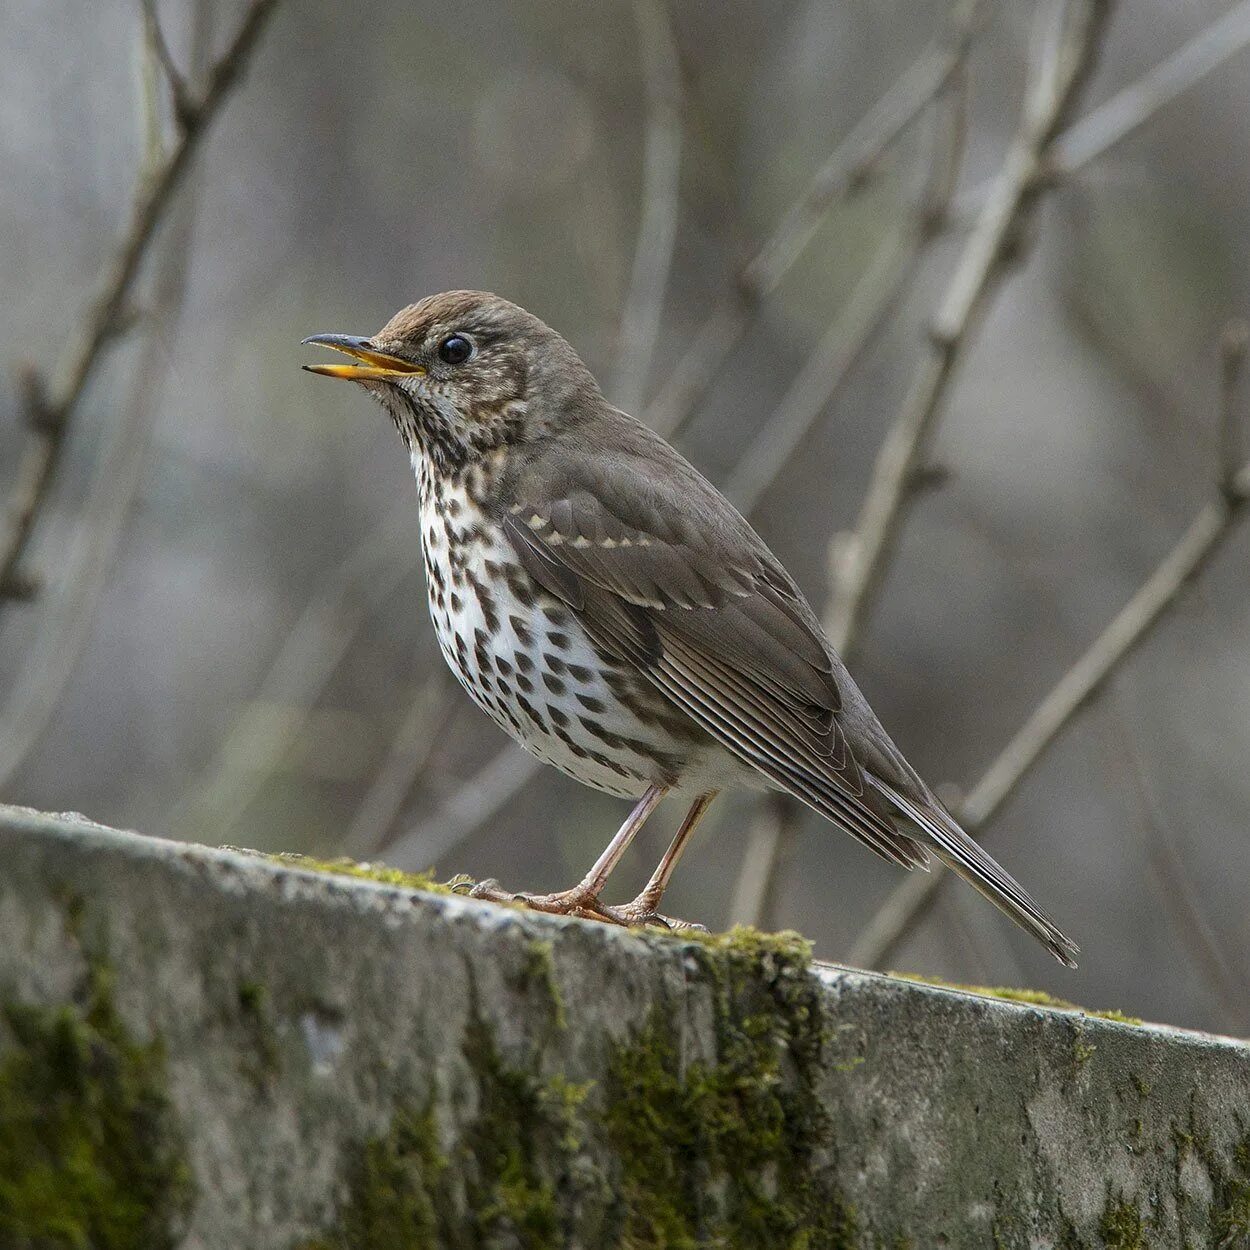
962	855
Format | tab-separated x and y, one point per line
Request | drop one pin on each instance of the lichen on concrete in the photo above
1021	994
342	866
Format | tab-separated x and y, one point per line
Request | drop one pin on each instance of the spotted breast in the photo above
526	661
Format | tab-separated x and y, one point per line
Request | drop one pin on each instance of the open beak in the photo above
375	365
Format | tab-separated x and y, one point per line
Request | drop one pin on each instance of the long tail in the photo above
963	856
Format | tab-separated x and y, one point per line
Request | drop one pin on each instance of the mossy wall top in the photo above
212	1049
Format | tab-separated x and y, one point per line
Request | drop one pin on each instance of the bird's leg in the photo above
583	898
644	909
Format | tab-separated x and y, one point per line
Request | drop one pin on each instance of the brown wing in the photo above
663	572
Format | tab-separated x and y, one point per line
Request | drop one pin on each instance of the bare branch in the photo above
911	899
847	170
770	841
660	203
1130	109
467	809
1126	112
1176	887
875	296
50	407
852	163
993	244
259	741
1234	343
180	94
406	759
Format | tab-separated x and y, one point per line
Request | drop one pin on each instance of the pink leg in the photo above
583	898
645	908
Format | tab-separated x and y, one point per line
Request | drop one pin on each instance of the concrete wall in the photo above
207	1049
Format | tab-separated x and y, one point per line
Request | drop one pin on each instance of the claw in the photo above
489	889
639	916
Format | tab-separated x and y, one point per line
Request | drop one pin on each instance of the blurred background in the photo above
214	626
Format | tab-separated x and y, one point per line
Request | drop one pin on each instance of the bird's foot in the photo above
575	902
582	903
641	912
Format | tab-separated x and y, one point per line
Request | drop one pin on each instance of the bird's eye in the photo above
455	349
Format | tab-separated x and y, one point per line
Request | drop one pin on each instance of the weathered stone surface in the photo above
203	1048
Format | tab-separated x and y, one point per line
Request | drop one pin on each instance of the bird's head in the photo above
464	372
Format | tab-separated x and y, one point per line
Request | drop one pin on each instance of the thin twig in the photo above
259	741
179	91
1183	900
480	799
911	899
847	170
853	162
1131	108
407	756
769	843
1176	887
51	406
875	296
659	206
994	243
1234	344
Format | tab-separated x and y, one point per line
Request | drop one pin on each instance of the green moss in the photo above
1083	1050
497	1185
733	1151
540	971
1229	1173
1231	1222
1012	994
1114	1013
503	1148
256	1016
393	1187
381	873
91	1153
1121	1228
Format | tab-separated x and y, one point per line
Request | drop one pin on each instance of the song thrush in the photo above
609	609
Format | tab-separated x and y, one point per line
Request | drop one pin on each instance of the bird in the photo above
615	614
